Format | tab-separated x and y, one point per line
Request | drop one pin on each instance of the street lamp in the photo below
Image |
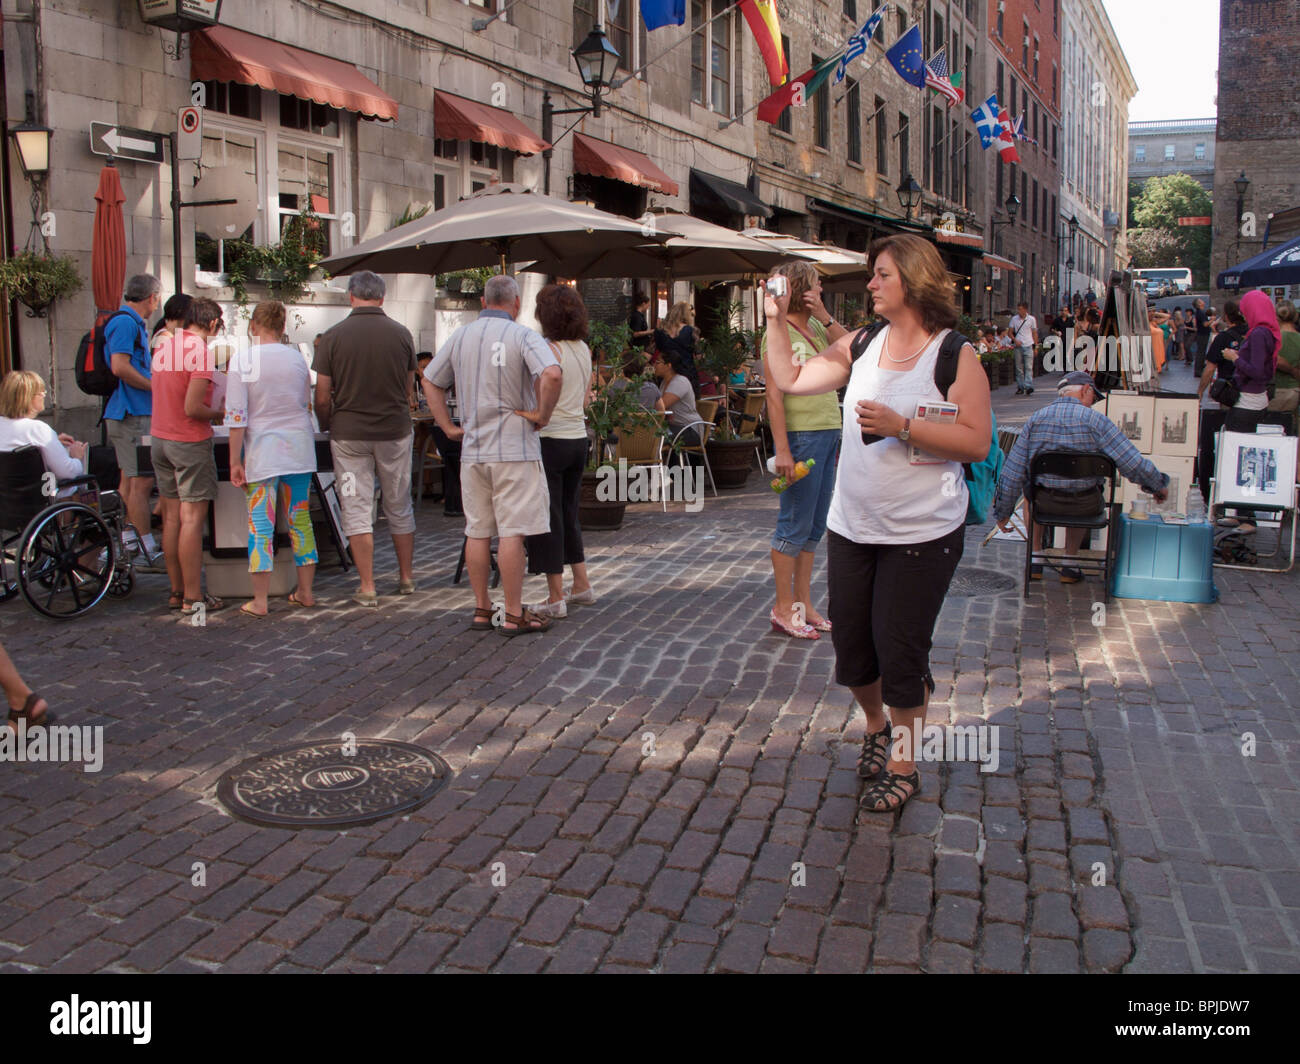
1240	184
181	17
909	195
1073	226
1012	205
597	61
33	143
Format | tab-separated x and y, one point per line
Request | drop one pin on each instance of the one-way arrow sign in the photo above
119	142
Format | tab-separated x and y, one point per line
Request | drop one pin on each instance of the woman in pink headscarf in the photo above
1254	363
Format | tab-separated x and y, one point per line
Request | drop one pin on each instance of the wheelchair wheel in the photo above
65	560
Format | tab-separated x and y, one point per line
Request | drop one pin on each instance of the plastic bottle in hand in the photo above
801	470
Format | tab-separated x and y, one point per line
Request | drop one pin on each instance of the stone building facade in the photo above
1173	146
1258	124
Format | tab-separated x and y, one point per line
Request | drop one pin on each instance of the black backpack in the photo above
94	371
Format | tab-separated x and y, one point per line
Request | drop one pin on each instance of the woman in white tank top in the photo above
898	515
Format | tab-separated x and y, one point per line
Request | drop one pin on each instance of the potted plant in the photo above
614	409
609	345
37	280
987	362
466	282
285	267
724	351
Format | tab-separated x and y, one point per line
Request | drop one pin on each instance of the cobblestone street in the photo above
1123	829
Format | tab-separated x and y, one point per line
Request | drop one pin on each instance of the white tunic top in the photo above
270	398
879	496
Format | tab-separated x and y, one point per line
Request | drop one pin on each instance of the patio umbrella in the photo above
701	251
108	242
1280	266
500	224
831	261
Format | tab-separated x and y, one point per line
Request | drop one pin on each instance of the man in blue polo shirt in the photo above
126	343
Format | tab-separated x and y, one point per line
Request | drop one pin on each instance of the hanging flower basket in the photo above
37	280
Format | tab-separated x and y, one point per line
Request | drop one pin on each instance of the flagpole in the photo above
759	103
650	62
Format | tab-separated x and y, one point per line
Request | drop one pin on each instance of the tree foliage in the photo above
1158	239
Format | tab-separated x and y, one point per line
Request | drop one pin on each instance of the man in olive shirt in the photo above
365	370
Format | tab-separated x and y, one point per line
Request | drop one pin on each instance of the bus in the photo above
1166	281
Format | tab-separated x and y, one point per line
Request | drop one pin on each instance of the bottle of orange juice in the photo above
801	470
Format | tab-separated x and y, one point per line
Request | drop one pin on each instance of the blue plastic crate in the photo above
1169	563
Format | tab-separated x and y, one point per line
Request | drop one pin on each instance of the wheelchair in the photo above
62	553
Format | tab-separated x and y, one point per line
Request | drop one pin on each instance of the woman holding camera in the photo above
803	427
896	527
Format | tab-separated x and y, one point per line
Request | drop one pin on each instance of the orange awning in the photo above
1002	264
456	118
224	54
952	236
603	159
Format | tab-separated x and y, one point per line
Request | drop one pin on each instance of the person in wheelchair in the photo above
22	398
1069	423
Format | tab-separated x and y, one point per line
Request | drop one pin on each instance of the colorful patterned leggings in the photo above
293	493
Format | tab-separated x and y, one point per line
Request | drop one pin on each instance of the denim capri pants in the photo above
804	504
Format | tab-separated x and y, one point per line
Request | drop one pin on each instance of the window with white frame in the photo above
625	30
712	55
293	151
1169	153
1140	153
463	167
1200	150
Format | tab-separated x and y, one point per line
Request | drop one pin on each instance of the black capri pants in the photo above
550	552
884	602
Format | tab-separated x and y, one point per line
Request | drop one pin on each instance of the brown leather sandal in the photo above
528	622
482	621
26	712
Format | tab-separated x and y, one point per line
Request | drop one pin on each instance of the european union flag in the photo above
657	13
907	59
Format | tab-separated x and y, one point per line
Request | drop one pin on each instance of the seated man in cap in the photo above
1069	423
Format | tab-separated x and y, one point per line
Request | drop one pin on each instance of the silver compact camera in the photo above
777	286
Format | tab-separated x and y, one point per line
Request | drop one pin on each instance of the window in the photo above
1200	150
1033	130
1024	194
1035	59
1024	47
1011	107
1056	16
618	27
1054	138
968	75
711	56
854	119
902	19
1034	203
1053	215
882	138
936	37
904	146
1140	153
786	122
1001	96
851	8
1169	153
1053	84
999	19
1047	218
998	166
936	138
294	159
821	102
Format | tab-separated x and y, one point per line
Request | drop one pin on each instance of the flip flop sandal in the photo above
482	621
875	753
298	604
252	613
528	622
889	793
175	600
26	712
211	604
369	599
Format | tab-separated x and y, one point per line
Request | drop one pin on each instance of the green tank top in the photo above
810	413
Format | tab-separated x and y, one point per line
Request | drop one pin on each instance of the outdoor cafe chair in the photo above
1073	465
705	430
644	446
749	419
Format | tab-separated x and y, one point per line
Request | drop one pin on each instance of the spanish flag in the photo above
766	28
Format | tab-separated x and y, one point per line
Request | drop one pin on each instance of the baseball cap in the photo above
1078	376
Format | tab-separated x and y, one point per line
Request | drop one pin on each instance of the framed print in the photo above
1174	428
1135	416
1255	470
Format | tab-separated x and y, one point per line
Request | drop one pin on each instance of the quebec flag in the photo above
987	122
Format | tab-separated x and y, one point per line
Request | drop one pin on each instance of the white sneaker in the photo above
550	609
586	598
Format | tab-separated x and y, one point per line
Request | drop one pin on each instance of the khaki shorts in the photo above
1286	399
356	464
505	499
185	470
125	435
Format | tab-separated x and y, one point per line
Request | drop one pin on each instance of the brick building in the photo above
1258	124
1173	146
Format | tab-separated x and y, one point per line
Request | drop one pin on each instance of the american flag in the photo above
936	77
1018	130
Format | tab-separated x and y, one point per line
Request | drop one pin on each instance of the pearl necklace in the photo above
900	361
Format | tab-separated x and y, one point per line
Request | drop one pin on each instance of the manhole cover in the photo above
329	785
971	582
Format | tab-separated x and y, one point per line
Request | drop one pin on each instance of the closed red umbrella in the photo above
108	249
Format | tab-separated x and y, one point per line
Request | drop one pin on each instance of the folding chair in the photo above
644	446
1073	465
705	430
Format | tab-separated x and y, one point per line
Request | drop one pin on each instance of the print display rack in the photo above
1257	471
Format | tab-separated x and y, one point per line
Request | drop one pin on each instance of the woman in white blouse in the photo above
22	398
273	452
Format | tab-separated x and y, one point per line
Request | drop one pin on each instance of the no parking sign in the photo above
189	133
